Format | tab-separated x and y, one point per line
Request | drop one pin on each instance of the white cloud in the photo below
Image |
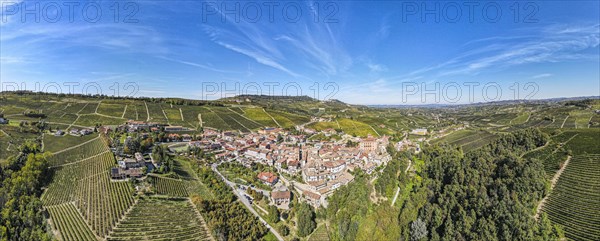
539	76
551	44
291	48
376	67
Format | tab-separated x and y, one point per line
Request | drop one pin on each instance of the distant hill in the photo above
502	102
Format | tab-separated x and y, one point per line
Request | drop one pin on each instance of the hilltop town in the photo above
315	168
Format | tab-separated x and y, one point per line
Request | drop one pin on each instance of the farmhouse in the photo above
74	131
312	198
115	173
280	197
3	121
84	132
268	178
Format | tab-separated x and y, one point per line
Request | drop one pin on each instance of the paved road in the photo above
245	202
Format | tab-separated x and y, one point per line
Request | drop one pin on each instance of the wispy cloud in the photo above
551	44
130	38
376	67
202	66
248	43
539	76
312	45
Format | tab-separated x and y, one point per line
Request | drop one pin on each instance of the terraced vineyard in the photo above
168	186
161	219
83	180
69	222
575	201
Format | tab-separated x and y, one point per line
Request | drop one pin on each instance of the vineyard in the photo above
260	116
58	143
287	120
553	154
81	177
468	139
161	219
235	120
168	186
91	148
69	222
320	234
115	110
575	201
156	113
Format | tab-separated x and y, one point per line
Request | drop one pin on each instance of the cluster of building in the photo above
75	132
130	167
323	165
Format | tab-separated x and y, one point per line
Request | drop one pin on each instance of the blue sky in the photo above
361	52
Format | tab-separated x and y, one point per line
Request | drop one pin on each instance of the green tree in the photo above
273	215
305	219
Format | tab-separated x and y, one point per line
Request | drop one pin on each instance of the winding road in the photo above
245	202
